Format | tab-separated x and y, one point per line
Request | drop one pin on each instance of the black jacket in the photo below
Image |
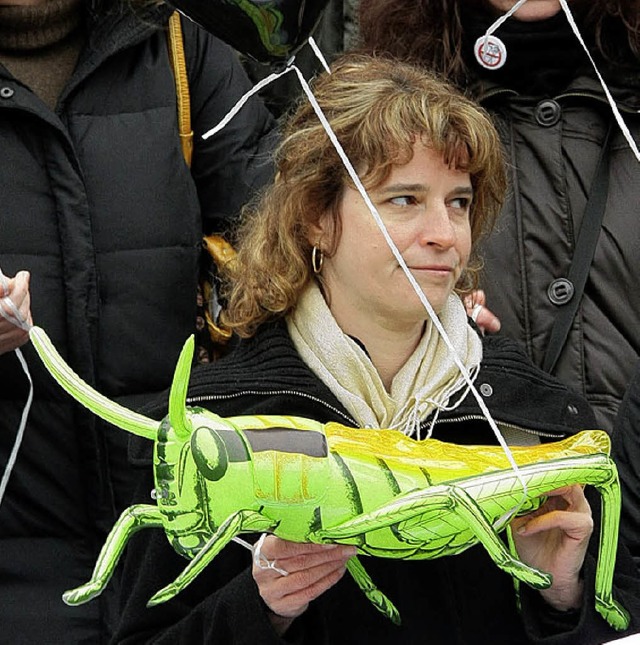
460	599
98	204
552	143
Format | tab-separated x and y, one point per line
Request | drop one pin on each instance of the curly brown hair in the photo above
377	107
429	32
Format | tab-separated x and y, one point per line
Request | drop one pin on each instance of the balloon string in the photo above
318	53
238	106
16	318
612	103
504	18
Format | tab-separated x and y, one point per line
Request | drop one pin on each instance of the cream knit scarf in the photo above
425	383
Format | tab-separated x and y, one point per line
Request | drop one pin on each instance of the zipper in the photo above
480	417
423	425
304	395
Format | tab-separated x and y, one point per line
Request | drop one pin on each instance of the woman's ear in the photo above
320	231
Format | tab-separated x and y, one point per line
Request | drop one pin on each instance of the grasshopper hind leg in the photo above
611	610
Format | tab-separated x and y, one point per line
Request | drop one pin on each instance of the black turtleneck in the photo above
542	56
40	44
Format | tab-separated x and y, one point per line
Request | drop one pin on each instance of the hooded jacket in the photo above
460	599
553	139
99	205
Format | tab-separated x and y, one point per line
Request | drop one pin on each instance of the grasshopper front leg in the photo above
240	522
377	598
132	519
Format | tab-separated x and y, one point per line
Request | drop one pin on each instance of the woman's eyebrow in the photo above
410	188
415	188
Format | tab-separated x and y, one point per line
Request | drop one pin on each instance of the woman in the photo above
101	211
332	330
553	116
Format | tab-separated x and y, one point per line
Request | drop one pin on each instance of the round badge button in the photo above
490	52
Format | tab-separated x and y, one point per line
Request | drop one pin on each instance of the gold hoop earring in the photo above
317	259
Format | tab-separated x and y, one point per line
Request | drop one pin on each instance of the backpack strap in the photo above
179	66
219	250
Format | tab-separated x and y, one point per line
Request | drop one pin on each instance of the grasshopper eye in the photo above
209	453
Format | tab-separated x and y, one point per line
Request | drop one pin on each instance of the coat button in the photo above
560	291
6	92
486	389
548	113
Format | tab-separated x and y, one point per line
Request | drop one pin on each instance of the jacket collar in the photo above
624	87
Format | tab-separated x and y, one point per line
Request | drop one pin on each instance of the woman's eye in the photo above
403	200
460	203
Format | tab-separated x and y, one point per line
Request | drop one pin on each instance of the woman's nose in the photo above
437	228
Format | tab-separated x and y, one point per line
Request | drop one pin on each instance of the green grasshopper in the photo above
301	480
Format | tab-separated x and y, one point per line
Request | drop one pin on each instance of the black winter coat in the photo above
463	599
98	204
552	148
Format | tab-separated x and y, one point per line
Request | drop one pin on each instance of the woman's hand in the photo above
476	306
12	337
311	569
554	539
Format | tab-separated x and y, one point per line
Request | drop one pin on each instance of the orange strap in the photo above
179	65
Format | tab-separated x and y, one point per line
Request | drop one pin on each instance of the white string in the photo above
318	53
238	106
612	103
16	318
504	18
259	559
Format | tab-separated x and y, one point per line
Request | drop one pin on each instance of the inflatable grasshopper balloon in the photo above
387	494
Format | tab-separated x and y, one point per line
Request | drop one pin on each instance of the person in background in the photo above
331	329
553	116
335	33
100	236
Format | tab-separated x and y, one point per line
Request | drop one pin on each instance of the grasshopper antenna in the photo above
178	394
83	393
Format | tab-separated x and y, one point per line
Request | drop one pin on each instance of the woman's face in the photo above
425	207
530	11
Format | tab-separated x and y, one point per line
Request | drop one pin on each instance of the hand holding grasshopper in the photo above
311	569
554	538
17	290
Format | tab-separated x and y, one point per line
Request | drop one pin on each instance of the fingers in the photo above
475	304
311	569
291	596
15	296
15	303
566	509
577	526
